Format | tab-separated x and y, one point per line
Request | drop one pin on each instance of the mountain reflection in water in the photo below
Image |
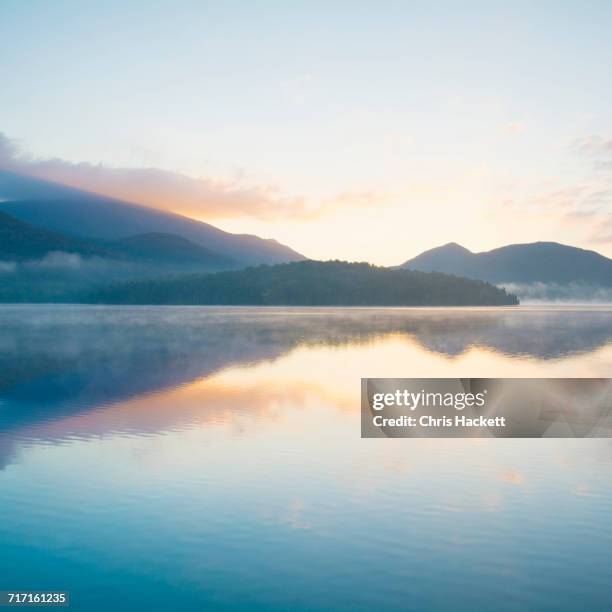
171	458
58	362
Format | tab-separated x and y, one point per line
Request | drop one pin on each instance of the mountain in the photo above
39	265
82	214
308	283
21	241
538	262
169	249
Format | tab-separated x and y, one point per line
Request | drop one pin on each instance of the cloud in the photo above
585	201
590	208
58	260
594	206
593	145
560	198
513	477
603	231
200	197
579	203
514	127
597	149
7	267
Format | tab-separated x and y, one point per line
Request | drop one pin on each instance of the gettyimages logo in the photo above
486	407
424	399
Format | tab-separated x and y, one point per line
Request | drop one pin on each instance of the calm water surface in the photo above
210	459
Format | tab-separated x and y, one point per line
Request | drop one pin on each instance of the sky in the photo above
365	131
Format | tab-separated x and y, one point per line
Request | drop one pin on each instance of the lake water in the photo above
210	459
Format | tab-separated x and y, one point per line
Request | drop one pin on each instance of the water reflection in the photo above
200	458
151	369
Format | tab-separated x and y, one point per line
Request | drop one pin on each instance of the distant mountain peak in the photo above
437	256
452	247
535	262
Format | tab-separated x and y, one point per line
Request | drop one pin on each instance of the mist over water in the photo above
554	293
210	458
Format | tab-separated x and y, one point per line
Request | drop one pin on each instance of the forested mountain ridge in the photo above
308	283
